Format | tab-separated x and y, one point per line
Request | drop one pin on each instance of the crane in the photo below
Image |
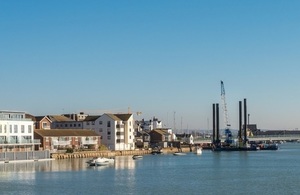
228	133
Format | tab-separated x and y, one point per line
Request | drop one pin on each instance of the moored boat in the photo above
100	161
179	153
198	150
137	156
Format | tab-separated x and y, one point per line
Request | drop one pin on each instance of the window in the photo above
100	130
108	123
22	128
44	125
93	123
108	133
100	122
15	128
87	123
29	129
10	128
79	125
108	137
66	125
0	128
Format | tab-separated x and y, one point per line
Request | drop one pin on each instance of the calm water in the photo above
256	172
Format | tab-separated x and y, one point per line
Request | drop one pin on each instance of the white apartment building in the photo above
117	131
16	132
151	124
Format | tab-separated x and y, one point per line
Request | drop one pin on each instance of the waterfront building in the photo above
92	123
142	139
61	139
117	131
16	132
185	138
161	137
150	124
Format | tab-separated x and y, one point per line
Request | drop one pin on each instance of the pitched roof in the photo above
91	118
161	132
59	118
123	117
65	132
29	116
114	117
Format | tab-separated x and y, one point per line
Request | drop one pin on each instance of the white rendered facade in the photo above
117	131
151	124
16	130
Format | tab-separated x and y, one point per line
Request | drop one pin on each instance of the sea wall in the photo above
91	154
108	153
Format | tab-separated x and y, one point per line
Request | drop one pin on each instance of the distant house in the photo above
160	138
92	123
142	139
63	122
42	122
76	117
185	138
151	124
55	139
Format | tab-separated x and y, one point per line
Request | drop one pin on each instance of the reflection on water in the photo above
209	173
121	162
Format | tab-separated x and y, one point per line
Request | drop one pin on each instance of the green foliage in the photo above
103	147
69	150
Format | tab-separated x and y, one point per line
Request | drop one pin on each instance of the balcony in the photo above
61	143
119	126
89	142
19	142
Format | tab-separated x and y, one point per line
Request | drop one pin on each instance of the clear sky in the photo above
158	57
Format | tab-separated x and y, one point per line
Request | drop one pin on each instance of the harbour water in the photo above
252	172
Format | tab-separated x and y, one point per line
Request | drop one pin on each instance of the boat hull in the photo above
100	161
179	154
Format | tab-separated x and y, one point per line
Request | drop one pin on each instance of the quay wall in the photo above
109	154
91	154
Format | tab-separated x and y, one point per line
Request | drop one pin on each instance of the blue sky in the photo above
156	57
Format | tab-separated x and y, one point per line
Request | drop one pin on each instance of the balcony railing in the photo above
22	141
61	143
89	142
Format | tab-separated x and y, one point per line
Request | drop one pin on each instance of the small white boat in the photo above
137	156
198	150
100	161
179	153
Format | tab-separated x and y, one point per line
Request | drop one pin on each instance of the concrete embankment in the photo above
91	154
107	153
